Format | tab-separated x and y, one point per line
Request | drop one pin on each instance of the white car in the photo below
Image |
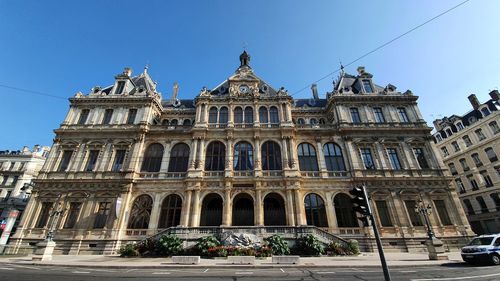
483	249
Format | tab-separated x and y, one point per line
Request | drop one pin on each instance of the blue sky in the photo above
62	47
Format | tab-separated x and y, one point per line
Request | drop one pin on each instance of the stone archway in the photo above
211	210
243	212
274	210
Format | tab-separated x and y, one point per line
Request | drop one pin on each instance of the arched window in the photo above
152	158
186	122
179	157
271	156
170	214
322	121
238	115
313	121
301	121
212	115
273	112
248	115
141	212
215	156
344	212
263	115
315	210
165	122
333	157
307	157
211	210
243	156
223	115
174	122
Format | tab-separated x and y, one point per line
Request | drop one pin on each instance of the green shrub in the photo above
263	252
217	251
129	250
309	245
169	245
353	247
338	249
206	243
278	245
148	247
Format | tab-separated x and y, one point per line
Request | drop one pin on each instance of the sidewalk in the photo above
363	260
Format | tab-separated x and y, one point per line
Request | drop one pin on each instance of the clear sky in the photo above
62	47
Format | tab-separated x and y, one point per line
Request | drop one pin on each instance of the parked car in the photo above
483	249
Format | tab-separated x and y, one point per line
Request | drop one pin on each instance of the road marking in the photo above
205	270
325	272
282	270
243	272
162	272
6	268
81	272
458	278
28	267
407	271
131	270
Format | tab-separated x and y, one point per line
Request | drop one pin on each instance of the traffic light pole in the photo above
387	275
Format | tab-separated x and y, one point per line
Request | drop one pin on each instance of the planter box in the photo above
241	259
286	259
186	259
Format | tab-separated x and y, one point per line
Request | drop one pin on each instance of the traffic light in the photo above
360	201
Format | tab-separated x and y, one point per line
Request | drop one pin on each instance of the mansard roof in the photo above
178	104
347	83
316	103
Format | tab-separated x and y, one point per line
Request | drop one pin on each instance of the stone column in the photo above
226	210
195	216
229	155
285	157
258	207
289	111
106	158
330	213
409	159
205	114
166	157
380	152
193	154
77	158
230	115
321	158
290	213
54	155
257	157
299	205
198	113
256	117
186	208
155	213
122	219
202	155
293	154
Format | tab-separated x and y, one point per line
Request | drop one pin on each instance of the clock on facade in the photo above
244	89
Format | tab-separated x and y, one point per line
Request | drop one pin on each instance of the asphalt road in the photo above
450	272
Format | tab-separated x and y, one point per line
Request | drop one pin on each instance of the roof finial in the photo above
146	68
341	67
244	59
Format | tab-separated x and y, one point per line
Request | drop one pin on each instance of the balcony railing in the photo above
243	173
213	174
338	174
310	174
167	175
272	173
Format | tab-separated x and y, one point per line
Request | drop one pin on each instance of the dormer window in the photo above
485	111
367	86
120	87
449	132
439	138
460	126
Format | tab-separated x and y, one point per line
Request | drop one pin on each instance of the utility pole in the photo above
361	205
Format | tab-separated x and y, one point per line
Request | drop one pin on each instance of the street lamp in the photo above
46	248
54	215
434	246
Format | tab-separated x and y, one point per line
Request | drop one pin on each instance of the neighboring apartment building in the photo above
127	164
469	146
17	170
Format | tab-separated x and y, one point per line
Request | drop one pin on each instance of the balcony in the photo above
243	173
338	174
310	174
213	174
272	173
168	175
84	175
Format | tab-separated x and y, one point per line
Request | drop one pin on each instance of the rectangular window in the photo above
12	165
442	212
473	183
419	155
460	126
460	186
456	146
66	157
467	141
487	180
120	87
445	151
14	181
102	214
383	213
477	161
494	127
464	164
132	113
379	115
415	218
92	160
393	157
367	86
355	115
83	116
403	117
366	154
453	169
107	116
21	166
491	154
479	134
119	159
43	218
4	181
73	212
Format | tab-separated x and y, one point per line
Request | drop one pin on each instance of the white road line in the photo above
163	272
81	272
282	270
243	272
131	270
458	278
205	270
28	267
6	268
325	272
407	271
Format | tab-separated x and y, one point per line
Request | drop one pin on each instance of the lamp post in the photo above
45	248
434	246
54	215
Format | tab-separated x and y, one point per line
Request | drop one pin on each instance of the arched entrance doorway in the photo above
243	210
344	212
274	210
211	210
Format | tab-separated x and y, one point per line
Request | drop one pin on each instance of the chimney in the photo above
35	148
474	101
25	150
495	95
361	70
127	71
314	89
176	90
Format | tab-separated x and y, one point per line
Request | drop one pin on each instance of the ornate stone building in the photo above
126	164
470	145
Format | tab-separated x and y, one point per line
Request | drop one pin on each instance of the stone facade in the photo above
126	164
470	145
17	170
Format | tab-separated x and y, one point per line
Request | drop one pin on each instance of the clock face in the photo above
244	89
